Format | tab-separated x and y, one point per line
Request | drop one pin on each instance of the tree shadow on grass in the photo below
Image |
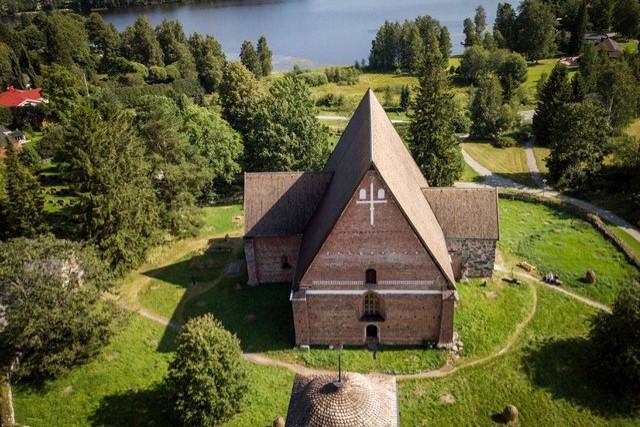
562	368
260	316
134	408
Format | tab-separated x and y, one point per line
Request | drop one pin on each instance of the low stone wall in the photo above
477	255
590	217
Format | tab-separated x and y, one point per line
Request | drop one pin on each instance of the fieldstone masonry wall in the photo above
478	255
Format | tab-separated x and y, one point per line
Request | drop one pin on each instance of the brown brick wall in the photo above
264	258
390	246
402	264
337	319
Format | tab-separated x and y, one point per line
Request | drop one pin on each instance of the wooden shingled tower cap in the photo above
359	401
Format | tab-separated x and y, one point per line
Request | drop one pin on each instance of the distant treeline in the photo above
14	7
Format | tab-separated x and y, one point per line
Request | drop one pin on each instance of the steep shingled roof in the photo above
465	213
370	140
281	203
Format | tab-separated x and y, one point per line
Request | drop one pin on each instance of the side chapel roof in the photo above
370	140
281	203
465	213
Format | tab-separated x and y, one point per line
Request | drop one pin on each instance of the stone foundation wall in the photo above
264	257
337	319
477	255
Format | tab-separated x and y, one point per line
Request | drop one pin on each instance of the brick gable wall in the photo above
328	305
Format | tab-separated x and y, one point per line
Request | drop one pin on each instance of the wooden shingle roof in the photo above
465	213
281	203
371	141
356	401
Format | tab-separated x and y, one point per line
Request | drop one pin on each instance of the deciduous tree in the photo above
53	313
249	58
284	134
239	93
139	43
579	143
206	380
535	30
209	60
626	17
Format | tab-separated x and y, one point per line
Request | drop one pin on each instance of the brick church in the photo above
371	251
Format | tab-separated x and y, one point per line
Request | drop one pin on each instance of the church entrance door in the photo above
372	334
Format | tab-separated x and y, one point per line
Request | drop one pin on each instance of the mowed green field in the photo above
546	373
547	377
557	242
510	162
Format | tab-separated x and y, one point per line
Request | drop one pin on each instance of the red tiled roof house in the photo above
15	98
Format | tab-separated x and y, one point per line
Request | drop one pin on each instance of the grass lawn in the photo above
546	377
509	162
159	286
469	175
120	387
558	242
634	129
541	153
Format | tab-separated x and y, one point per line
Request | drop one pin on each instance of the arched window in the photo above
371	305
284	262
380	193
363	194
371	277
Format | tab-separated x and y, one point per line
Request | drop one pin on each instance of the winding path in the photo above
495	180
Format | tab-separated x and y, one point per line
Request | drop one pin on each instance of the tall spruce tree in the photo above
108	171
432	128
555	92
23	204
264	56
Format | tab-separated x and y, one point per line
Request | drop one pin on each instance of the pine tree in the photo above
444	41
264	56
432	129
555	92
249	58
23	205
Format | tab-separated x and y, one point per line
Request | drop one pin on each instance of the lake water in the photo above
310	33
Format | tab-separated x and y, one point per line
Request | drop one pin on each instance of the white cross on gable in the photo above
372	202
